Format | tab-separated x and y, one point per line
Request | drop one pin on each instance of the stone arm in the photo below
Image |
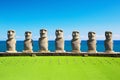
32	41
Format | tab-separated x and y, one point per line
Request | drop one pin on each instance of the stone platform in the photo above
101	54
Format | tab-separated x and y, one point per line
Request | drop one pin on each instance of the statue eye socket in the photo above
61	31
12	31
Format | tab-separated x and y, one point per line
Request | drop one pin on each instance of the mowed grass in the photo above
59	68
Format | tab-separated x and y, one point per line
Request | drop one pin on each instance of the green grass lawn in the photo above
59	68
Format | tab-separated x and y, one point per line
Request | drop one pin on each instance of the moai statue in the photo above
75	41
108	43
59	41
91	42
43	41
11	42
28	42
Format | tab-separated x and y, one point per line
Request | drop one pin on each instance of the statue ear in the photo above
72	33
105	33
56	32
89	34
45	30
25	33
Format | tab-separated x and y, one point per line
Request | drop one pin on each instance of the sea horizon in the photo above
67	45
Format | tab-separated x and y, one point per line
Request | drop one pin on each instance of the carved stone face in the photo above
59	33
75	35
28	35
108	35
43	33
11	34
91	35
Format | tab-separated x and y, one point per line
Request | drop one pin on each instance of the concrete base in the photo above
76	51
109	51
11	51
92	51
43	51
59	51
85	54
26	51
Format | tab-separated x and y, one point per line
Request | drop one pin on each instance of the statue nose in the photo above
43	31
92	34
10	33
28	34
75	33
58	32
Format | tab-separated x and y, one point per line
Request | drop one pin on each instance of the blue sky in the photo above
69	15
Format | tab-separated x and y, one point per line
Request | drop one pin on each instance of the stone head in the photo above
108	35
59	33
43	33
91	35
28	35
11	34
75	35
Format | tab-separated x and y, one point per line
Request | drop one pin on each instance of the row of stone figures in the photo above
59	42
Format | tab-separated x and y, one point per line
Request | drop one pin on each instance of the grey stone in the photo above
59	41
43	41
91	42
75	41
28	42
108	43
11	42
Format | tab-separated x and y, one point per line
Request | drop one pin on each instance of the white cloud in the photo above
100	37
116	37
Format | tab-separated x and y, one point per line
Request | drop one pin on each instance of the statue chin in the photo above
28	38
59	36
11	37
108	38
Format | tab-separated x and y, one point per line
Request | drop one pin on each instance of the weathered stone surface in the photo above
43	41
108	43
91	42
59	41
11	42
28	42
75	42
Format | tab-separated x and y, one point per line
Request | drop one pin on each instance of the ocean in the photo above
68	48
